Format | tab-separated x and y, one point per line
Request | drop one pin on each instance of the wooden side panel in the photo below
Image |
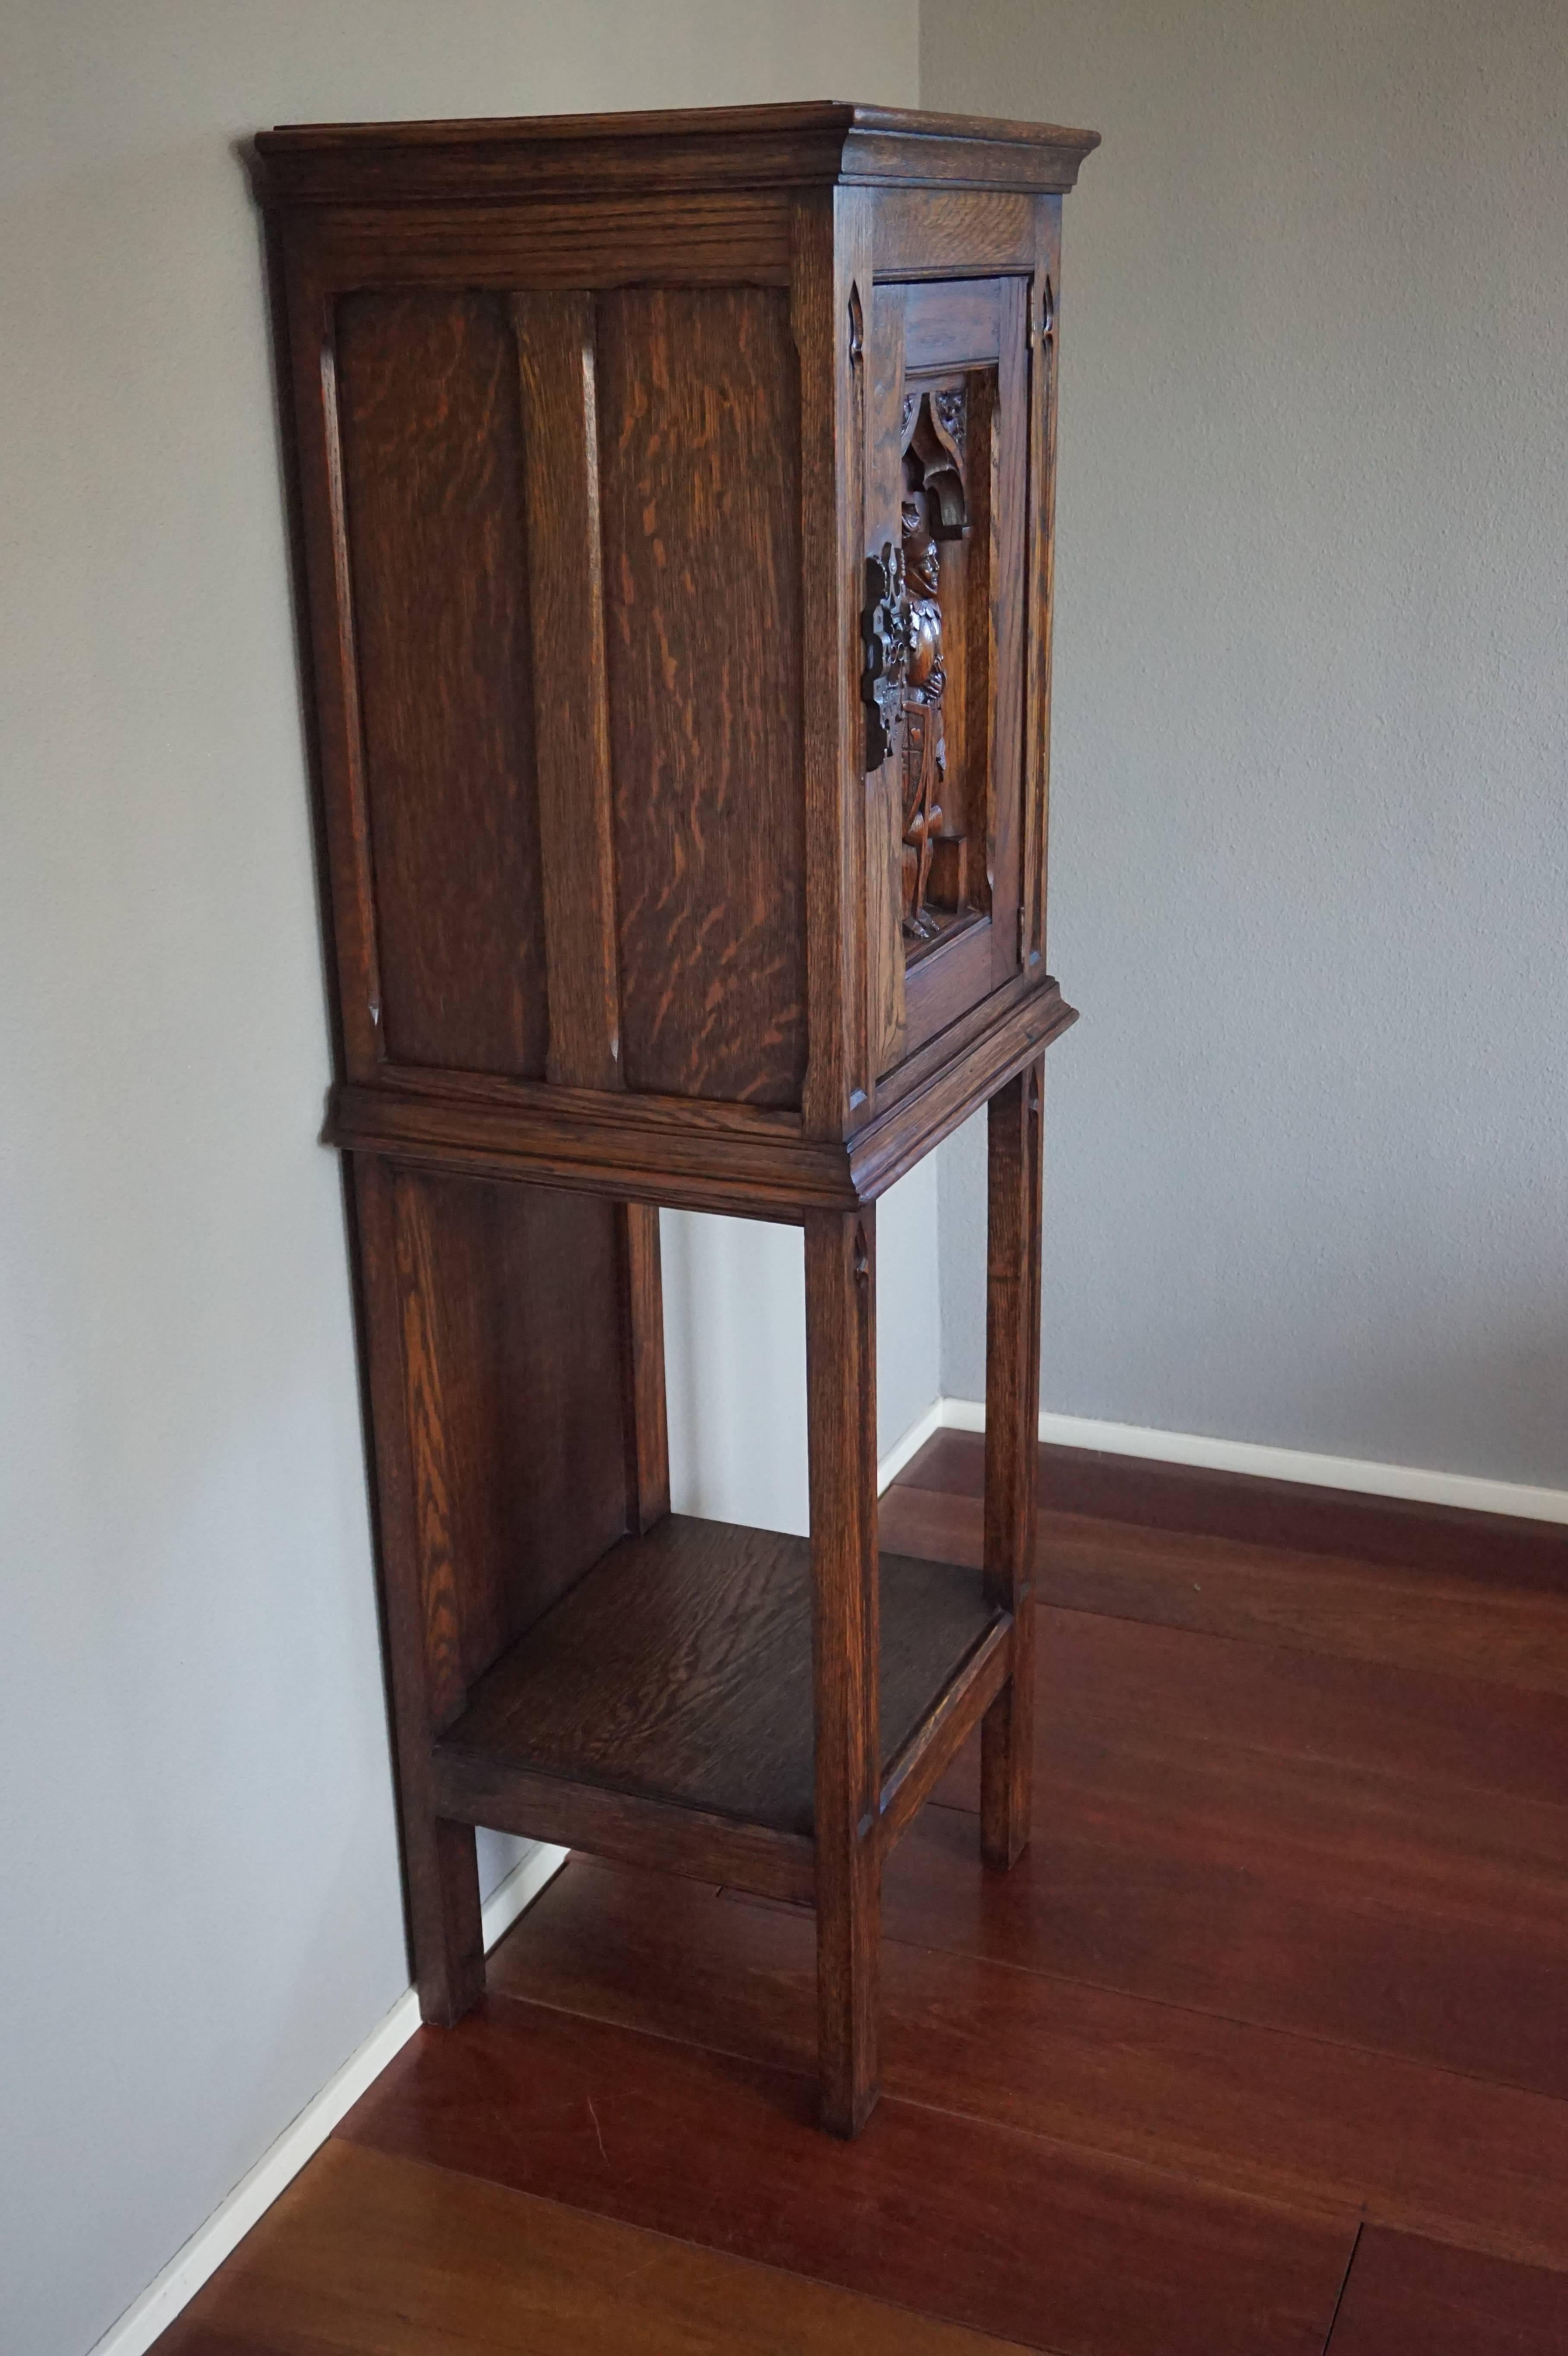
511	1306
1042	297
554	351
830	310
1010	650
433	480
642	1315
699	441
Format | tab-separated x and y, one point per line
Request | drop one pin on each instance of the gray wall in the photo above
200	1915
1308	1181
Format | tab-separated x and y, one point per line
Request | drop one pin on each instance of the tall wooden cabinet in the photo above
673	495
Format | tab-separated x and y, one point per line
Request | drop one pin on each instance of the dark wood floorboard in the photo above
1410	2298
1328	1603
1297	2120
959	2218
1434	1539
1280	1979
365	2252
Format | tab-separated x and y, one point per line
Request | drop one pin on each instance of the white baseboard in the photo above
890	1466
1415	1482
255	2192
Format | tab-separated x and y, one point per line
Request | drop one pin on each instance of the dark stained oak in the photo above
680	1668
1410	2298
700	432
1001	2232
818	141
555	334
858	1719
1014	1143
429	418
642	1322
666	860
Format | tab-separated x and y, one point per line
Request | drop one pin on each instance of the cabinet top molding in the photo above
818	143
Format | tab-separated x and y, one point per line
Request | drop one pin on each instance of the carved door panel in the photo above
943	690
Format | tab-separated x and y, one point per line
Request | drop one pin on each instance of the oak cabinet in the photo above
673	498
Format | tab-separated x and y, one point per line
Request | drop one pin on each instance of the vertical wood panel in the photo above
560	444
556	1394
841	1422
334	673
883	789
1043	291
830	306
700	442
1012	1431
1014	558
647	1424
429	417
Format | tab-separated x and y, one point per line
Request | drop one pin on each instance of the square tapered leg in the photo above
1012	1433
840	1371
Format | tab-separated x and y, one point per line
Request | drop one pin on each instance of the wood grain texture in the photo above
814	143
420	1609
883	369
642	1328
513	1350
1007	631
324	625
699	425
983	2227
1410	2298
432	453
830	295
369	2255
1040	606
1015	1160
680	1668
933	232
573	244
700	1156
1321	2128
483	1787
845	1644
571	711
954	322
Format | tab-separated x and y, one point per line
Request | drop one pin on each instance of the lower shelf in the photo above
676	1675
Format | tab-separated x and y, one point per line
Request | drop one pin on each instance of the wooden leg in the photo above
841	1385
1012	1436
413	1492
642	1346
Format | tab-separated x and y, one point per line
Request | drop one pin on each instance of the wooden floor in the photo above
1261	2050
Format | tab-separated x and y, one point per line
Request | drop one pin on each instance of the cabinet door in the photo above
947	498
